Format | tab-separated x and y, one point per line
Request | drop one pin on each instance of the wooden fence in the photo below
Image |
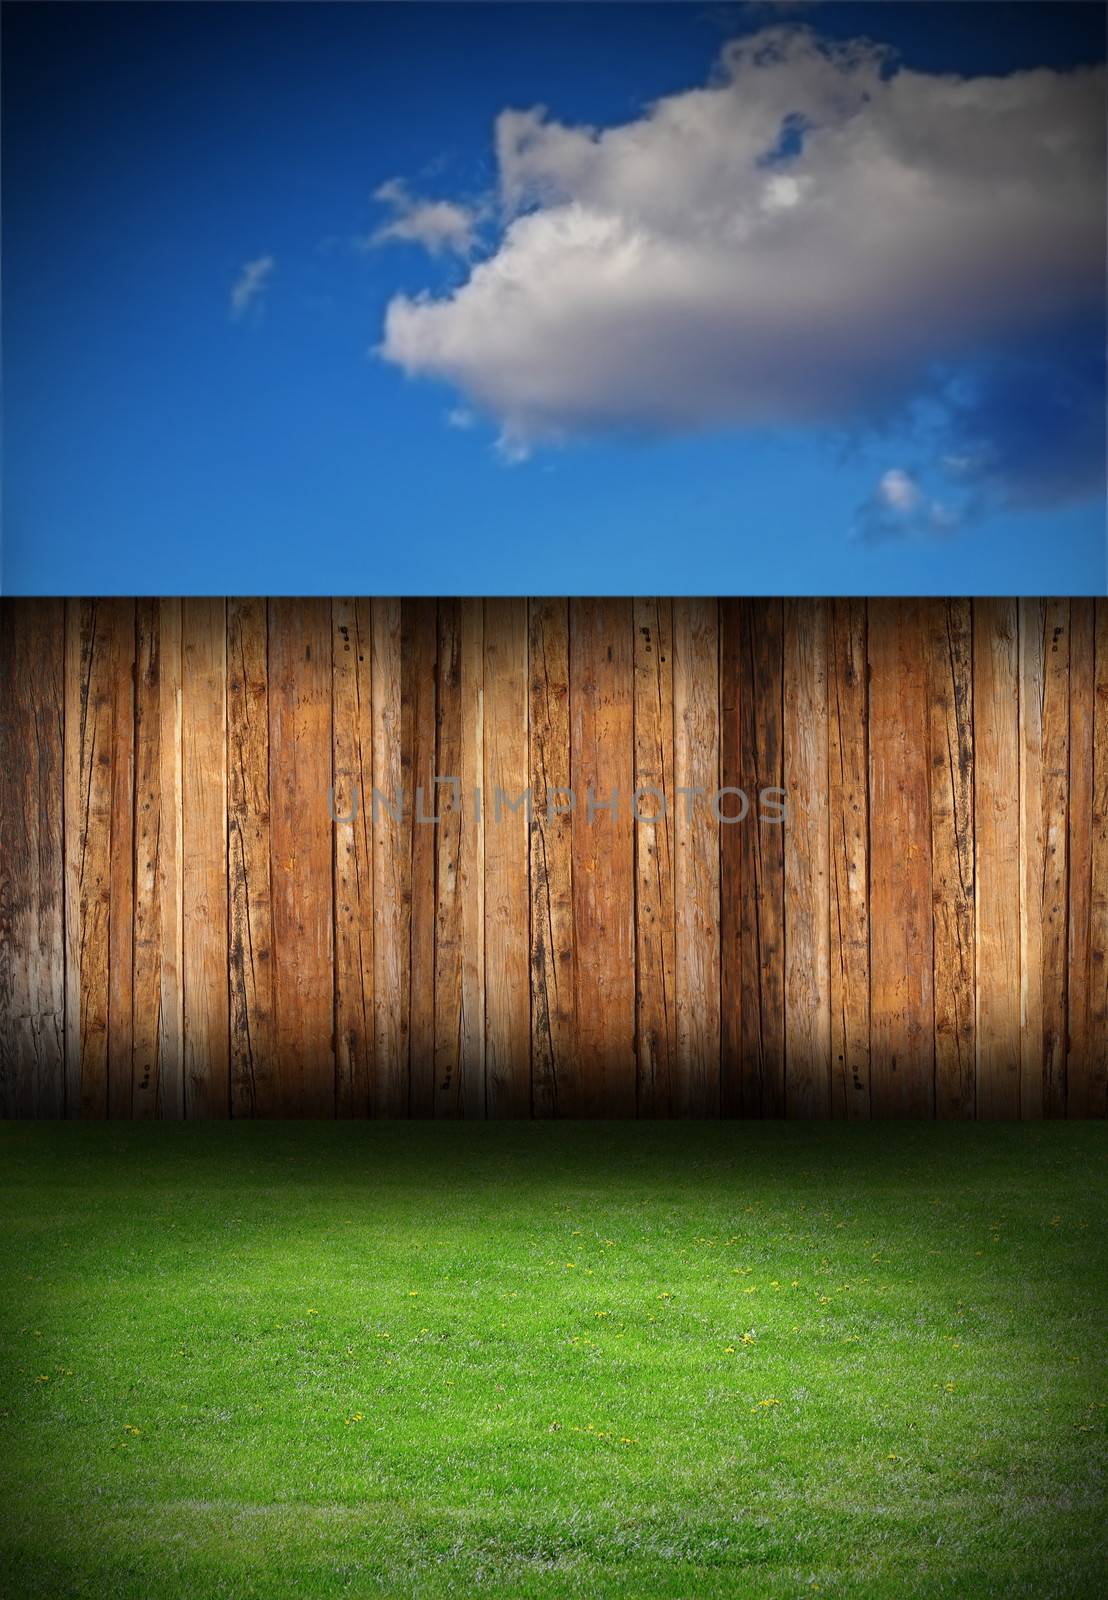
186	931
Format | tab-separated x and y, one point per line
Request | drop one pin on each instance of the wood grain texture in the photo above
736	803
471	867
1044	803
696	855
807	861
392	867
198	920
419	673
449	930
506	814
660	1090
32	872
950	697
204	850
1081	1041
848	802
997	849
902	1018
255	1076
553	980
352	814
1094	1079
602	776
300	775
762	932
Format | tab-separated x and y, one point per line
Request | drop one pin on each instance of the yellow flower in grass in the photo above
729	1349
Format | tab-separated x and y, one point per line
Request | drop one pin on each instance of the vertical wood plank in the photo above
392	887
32	883
419	658
602	763
352	782
1044	782
507	832
121	620
997	829
146	987
731	854
255	1079
655	884
848	805
204	820
90	709
471	872
73	834
448	866
1081	1041
696	855
553	958
1094	1079
300	775
807	862
171	866
762	946
950	667
902	1020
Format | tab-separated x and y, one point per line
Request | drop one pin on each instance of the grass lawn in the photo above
542	1360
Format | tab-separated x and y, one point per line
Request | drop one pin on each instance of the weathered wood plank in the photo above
696	856
352	783
950	667
731	854
553	970
807	862
419	657
90	710
848	809
449	934
1081	1041
602	766
171	867
121	620
471	870
902	1018
1044	780
32	874
997	848
204	844
762	938
1094	1079
655	883
255	1076
507	832
392	866
300	776
146	983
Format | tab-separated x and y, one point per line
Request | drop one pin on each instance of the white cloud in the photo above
799	241
437	225
898	508
250	284
461	417
898	490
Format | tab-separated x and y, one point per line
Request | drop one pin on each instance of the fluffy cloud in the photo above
898	508
808	239
435	224
250	284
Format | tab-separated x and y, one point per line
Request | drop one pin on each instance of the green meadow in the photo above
536	1360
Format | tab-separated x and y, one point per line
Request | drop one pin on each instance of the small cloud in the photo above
437	225
461	417
250	284
898	508
899	491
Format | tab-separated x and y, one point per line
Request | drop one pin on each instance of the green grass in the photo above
544	1360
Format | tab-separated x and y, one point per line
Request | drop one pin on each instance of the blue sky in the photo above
612	362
